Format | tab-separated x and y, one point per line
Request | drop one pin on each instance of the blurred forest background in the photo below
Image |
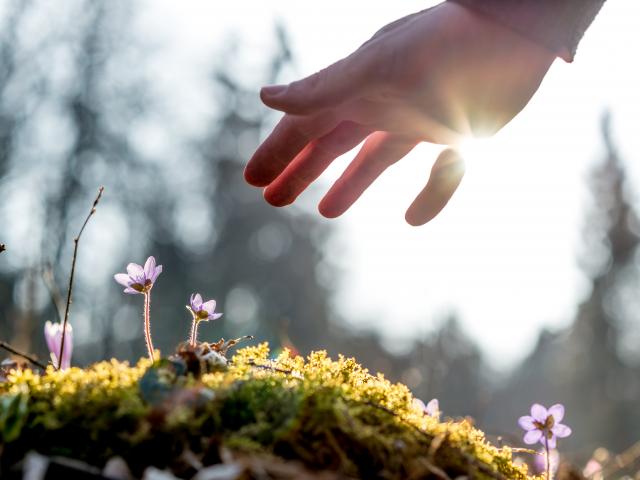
76	112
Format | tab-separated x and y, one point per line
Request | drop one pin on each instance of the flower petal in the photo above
417	403
123	279
532	437
526	422
135	271
560	430
130	291
68	348
215	316
433	408
209	306
539	413
50	336
157	271
196	301
557	411
149	267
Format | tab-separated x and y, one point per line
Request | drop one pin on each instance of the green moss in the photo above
327	414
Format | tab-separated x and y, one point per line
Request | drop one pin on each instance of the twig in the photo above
76	242
27	357
252	363
50	283
524	450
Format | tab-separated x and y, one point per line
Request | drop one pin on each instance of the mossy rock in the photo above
324	415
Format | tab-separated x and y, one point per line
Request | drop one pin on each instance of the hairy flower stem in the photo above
147	323
546	447
194	332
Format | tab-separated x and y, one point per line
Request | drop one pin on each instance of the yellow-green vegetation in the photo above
327	414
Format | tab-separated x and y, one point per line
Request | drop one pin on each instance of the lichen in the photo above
327	414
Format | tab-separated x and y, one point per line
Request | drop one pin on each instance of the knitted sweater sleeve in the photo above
555	24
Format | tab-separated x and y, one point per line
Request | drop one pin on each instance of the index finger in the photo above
286	141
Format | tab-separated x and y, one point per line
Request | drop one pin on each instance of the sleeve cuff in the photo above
554	24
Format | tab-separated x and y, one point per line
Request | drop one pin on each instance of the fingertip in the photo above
253	178
327	210
276	198
282	98
271	90
270	94
413	220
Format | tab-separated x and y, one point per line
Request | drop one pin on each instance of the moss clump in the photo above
329	415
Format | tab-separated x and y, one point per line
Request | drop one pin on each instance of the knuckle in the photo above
310	85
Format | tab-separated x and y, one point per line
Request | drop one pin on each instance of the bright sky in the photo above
503	253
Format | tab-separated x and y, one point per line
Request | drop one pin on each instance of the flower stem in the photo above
194	332
147	323
546	447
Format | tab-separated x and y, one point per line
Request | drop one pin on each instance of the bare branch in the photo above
76	242
27	357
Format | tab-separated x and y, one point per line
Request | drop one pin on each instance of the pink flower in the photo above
432	408
53	336
203	311
139	279
544	425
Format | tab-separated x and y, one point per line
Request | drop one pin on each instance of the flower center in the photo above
546	427
142	285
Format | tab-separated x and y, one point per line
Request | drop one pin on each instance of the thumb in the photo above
446	175
327	88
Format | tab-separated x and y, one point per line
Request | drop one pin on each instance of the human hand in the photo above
435	76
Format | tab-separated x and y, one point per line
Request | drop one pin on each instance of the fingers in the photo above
446	175
379	152
286	141
327	88
312	161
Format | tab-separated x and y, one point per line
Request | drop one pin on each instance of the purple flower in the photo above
432	408
139	279
544	425
53	336
200	312
203	311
